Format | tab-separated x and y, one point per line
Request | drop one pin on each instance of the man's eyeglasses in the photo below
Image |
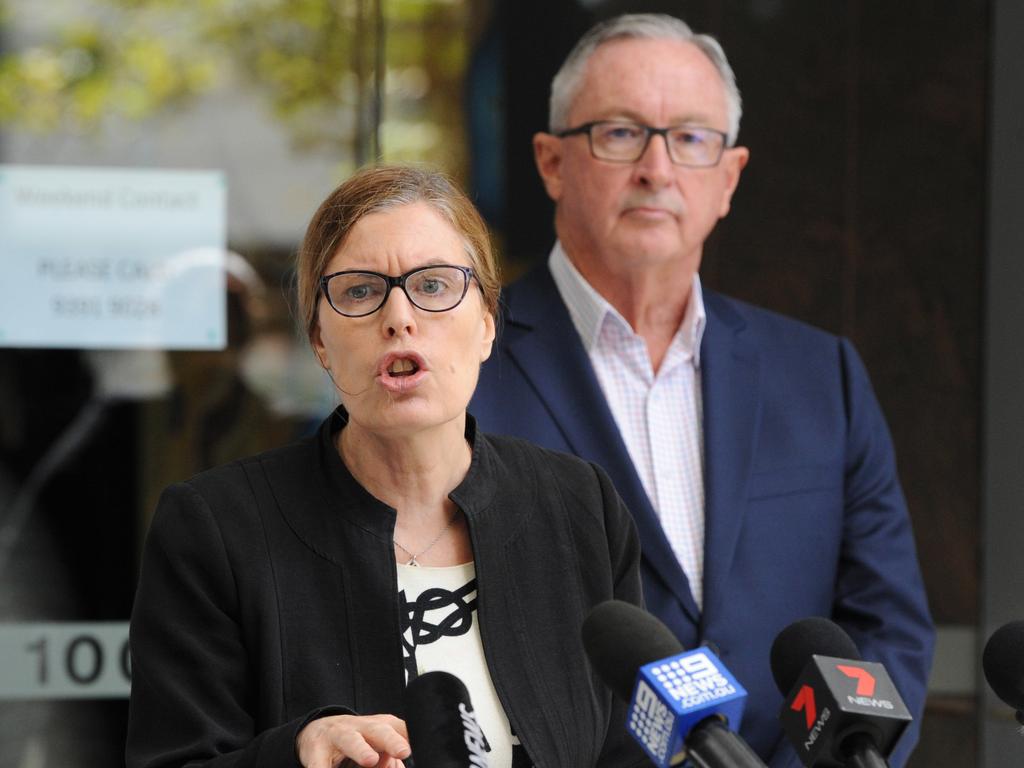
620	141
436	288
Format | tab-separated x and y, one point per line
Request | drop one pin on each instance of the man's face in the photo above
611	217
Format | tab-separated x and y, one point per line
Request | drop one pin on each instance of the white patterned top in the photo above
441	631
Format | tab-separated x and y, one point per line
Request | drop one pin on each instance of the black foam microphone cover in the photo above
1003	663
619	638
794	646
437	728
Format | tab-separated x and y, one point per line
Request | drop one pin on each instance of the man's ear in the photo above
547	153
734	160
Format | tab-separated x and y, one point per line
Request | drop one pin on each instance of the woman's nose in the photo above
398	315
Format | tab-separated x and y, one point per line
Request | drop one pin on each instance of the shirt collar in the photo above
588	309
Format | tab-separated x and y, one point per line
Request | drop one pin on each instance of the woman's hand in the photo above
371	741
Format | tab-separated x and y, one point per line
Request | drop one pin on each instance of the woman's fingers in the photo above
370	741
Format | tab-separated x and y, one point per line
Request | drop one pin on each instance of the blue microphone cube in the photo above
672	695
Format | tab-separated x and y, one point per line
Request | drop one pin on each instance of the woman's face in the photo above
403	369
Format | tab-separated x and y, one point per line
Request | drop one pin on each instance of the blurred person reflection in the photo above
213	414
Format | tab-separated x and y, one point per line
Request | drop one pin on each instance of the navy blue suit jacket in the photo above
804	515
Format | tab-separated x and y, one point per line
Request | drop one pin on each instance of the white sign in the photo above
56	660
112	258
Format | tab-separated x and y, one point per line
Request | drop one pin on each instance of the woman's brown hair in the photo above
377	189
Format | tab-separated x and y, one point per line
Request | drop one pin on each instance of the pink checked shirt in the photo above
659	416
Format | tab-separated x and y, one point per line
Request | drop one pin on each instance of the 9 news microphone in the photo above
838	710
443	731
681	703
1003	664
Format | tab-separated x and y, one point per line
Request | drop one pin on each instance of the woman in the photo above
286	600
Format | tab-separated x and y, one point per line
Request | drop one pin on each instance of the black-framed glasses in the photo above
436	288
622	141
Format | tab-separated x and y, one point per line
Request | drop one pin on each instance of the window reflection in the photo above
286	99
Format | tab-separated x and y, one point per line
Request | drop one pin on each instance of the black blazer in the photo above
268	591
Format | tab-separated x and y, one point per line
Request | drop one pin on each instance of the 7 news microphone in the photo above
682	704
443	731
838	710
1003	664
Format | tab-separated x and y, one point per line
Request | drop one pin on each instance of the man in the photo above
749	447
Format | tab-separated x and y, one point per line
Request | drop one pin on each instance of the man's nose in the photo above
654	167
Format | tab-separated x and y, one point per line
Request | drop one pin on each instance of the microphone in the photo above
838	710
681	703
443	731
1003	664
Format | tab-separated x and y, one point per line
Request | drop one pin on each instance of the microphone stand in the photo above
712	745
861	752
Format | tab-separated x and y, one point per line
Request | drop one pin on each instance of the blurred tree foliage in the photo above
316	61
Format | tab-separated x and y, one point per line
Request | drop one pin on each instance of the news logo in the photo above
476	743
651	722
673	695
836	697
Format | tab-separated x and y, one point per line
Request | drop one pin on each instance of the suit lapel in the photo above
542	341
730	376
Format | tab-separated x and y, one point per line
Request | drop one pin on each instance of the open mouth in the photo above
403	366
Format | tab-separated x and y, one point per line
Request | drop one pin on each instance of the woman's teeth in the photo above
402	367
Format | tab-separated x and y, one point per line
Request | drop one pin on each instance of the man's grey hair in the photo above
651	26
